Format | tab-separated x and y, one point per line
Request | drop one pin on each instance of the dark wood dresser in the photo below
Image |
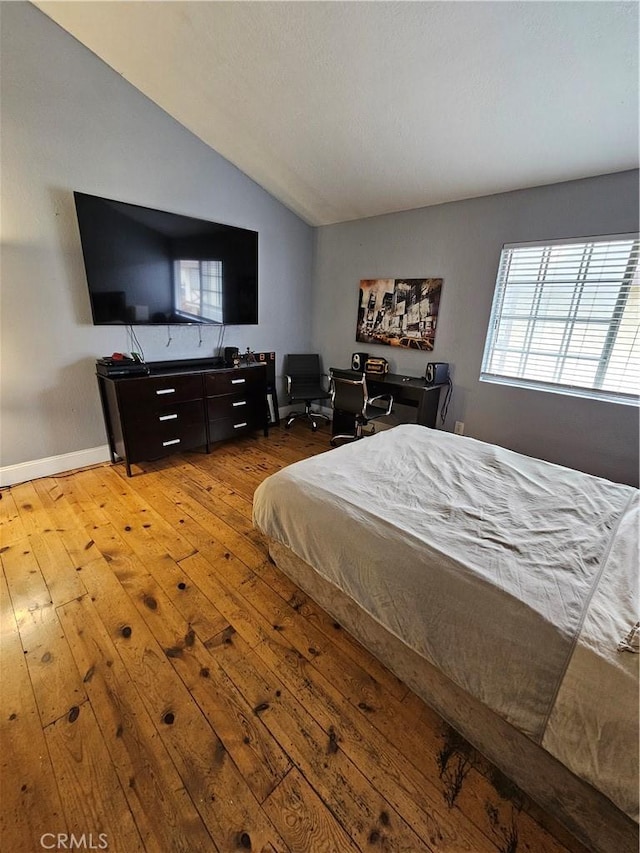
181	406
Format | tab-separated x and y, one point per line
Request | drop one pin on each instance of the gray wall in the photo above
461	242
71	123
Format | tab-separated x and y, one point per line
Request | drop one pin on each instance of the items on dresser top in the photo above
181	405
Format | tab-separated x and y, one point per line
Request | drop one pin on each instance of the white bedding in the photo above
517	578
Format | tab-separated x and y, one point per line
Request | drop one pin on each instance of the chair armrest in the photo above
388	397
350	382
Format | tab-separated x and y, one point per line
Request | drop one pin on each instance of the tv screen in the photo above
148	267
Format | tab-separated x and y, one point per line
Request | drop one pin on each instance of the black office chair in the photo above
349	394
304	385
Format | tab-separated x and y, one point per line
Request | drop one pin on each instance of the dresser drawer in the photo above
167	437
238	406
234	381
156	392
150	420
223	428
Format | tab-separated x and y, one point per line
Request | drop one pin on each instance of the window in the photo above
566	317
199	289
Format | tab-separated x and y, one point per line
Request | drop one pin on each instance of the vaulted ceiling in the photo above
345	110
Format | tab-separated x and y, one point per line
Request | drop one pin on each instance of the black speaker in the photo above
437	373
231	355
358	361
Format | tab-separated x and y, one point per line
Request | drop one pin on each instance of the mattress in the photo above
517	578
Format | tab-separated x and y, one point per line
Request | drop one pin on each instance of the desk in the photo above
414	401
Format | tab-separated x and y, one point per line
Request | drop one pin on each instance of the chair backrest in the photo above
348	392
303	366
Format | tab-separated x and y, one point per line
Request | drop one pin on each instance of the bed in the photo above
502	589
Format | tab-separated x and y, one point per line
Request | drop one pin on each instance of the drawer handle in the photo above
172	441
166	391
237	426
239	403
168	417
237	381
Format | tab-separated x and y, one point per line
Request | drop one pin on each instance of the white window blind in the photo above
566	317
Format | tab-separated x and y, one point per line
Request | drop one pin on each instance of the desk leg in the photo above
428	408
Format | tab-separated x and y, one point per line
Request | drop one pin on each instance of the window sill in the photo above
564	390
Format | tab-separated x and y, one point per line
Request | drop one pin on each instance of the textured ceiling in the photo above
344	110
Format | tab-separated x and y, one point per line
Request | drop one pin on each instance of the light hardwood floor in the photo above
165	688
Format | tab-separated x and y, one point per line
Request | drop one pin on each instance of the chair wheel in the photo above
287	425
314	426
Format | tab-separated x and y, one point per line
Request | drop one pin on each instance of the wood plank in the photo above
203	481
259	759
222	796
344	789
31	804
303	819
59	571
240	477
163	811
226	475
12	527
67	520
76	499
32	512
132	514
189	600
92	798
57	685
287	625
243	618
414	794
215	525
291	447
268	615
257	755
47	491
217	499
327	625
206	532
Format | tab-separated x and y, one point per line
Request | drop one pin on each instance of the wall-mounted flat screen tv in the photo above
147	267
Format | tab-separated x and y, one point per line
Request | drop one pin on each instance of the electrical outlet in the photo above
459	428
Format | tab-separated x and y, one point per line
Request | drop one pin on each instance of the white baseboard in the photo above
51	465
